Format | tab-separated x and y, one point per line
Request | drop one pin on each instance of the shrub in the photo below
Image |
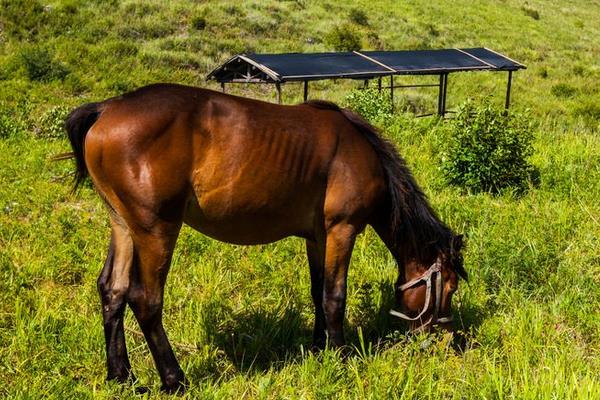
369	103
359	17
488	150
563	90
343	38
40	65
52	122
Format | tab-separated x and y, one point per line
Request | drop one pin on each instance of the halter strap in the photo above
435	269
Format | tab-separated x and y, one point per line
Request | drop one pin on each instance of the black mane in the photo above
413	222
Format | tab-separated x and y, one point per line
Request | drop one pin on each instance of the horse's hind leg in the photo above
113	284
154	250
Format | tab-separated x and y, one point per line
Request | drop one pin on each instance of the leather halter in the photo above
435	271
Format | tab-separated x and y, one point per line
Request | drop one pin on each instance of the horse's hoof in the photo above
175	386
178	388
126	377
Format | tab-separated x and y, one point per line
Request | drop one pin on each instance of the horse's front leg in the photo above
154	251
338	250
314	252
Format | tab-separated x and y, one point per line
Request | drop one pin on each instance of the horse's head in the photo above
424	292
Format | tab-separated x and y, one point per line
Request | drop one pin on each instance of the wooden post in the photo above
441	95
305	91
392	91
507	103
379	84
444	95
278	87
223	87
366	83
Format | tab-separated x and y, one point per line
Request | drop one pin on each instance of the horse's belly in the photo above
247	226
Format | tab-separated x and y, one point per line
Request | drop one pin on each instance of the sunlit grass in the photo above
240	318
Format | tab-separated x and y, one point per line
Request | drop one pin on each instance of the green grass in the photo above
241	317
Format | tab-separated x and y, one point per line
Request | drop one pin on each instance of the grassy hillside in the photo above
241	317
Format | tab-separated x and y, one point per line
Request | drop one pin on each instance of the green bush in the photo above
51	123
369	103
488	150
40	65
343	38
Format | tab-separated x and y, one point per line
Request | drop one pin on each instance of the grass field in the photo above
240	318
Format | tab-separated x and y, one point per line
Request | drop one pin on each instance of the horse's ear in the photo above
457	242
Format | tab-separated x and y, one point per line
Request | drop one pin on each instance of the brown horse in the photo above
248	172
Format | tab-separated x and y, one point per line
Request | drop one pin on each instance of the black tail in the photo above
77	124
412	220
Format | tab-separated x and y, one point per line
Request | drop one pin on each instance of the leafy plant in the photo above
488	150
369	103
51	123
344	38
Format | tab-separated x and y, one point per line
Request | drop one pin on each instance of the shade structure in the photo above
291	67
365	65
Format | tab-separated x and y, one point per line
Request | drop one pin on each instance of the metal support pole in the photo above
305	91
444	95
392	91
223	87
379	84
278	87
441	95
507	104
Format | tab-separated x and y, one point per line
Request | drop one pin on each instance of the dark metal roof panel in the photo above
359	65
301	66
428	61
498	60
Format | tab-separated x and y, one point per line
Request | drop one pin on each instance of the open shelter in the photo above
363	65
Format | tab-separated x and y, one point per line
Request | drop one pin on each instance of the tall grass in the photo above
240	318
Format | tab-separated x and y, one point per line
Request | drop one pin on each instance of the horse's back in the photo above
239	170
